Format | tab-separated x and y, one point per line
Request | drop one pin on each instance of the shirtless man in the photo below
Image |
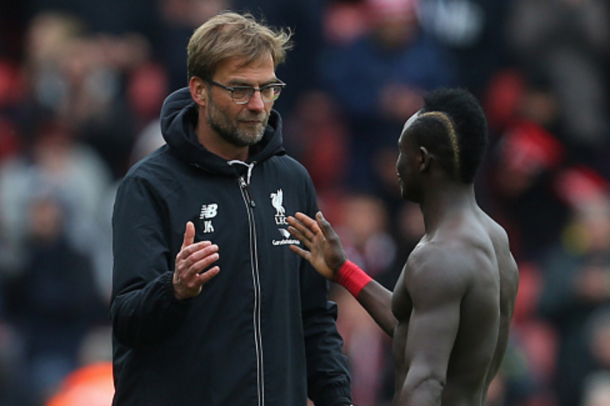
450	312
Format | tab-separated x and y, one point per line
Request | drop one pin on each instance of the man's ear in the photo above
198	91
424	158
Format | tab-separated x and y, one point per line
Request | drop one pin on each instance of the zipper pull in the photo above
245	187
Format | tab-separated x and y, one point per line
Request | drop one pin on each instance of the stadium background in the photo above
81	84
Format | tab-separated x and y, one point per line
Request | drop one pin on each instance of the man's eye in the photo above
241	93
268	91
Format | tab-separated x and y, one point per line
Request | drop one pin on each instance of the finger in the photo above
301	252
325	226
304	230
299	236
185	252
308	222
308	226
204	263
192	262
205	277
189	234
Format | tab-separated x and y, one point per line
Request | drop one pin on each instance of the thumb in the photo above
189	234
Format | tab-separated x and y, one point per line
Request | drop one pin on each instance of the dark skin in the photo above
450	311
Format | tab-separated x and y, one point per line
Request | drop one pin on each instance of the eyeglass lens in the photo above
269	93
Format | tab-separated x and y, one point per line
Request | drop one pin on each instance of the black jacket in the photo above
262	332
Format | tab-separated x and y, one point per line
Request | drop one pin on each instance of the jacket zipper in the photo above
258	339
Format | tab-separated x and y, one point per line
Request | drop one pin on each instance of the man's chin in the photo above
250	139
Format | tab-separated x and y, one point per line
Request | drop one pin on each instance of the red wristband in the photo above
352	278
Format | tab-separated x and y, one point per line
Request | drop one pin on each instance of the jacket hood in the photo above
179	119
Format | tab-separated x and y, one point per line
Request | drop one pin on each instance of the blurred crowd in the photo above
81	85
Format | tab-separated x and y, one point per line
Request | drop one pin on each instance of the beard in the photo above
236	132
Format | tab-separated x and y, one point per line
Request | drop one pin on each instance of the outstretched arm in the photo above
326	254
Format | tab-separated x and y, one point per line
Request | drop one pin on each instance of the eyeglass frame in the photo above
253	90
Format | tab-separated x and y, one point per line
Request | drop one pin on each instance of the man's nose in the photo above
256	102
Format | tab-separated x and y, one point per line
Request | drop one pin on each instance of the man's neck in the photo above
446	201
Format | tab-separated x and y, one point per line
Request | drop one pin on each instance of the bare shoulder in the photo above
439	266
462	254
499	237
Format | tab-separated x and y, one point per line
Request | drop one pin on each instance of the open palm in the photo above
324	249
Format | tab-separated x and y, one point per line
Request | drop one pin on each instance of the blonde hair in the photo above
229	35
450	128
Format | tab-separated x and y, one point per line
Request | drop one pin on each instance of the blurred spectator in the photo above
305	20
536	337
80	88
407	229
177	21
363	226
525	159
514	384
596	387
54	298
77	78
378	80
598	338
363	223
367	348
318	138
13	386
147	87
77	176
342	22
597	390
112	17
576	278
568	41
473	30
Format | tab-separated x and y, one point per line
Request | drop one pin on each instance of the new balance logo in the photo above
208	211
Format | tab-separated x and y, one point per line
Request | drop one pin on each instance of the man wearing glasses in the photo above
209	306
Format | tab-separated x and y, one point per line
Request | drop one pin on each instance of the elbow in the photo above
429	387
432	384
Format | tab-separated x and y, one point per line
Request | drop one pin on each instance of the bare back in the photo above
453	303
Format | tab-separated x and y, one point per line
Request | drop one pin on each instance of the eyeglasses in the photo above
243	94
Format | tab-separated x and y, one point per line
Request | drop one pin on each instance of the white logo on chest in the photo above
277	200
208	212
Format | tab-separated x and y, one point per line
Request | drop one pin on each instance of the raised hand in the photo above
192	259
324	249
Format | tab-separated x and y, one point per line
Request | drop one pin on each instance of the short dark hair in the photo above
452	124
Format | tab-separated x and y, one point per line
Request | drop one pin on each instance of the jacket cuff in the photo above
339	396
167	281
342	401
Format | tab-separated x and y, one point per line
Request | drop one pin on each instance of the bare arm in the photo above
436	291
327	256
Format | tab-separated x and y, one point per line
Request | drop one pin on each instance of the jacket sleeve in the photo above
143	309
327	373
